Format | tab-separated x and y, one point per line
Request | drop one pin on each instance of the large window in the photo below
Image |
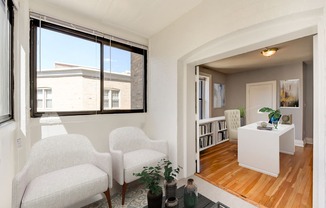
6	63
79	68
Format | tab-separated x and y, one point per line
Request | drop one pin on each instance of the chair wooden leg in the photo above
124	189
108	197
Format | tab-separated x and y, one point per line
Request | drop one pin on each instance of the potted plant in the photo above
150	176
242	115
274	115
170	176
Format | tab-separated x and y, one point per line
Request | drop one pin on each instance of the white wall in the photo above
72	17
7	162
9	152
308	101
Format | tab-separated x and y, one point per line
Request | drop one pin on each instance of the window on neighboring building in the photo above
6	63
44	99
111	99
78	66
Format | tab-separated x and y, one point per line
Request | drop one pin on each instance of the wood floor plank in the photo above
292	188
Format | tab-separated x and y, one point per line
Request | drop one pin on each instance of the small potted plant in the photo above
150	176
273	116
242	115
170	176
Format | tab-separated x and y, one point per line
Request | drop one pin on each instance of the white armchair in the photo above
232	118
61	171
131	150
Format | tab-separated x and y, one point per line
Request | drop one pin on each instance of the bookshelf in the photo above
210	132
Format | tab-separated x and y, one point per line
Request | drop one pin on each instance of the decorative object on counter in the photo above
170	178
172	202
275	124
190	194
150	176
287	119
274	115
264	126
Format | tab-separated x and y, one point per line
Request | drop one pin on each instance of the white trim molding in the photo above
299	143
309	140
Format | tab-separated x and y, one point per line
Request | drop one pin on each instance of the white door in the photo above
258	95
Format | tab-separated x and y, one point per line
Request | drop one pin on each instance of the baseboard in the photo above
299	143
309	140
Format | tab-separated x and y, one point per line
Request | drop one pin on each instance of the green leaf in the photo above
266	109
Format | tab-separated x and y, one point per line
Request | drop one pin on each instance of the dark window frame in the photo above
10	116
35	23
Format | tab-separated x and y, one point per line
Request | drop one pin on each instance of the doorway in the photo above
258	95
240	42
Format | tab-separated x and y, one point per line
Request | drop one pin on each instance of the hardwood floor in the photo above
292	188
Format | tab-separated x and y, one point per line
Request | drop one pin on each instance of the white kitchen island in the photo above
259	150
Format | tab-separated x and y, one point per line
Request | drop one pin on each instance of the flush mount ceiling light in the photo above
269	51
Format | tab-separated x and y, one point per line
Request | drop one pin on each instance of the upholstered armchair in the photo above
232	118
131	150
61	171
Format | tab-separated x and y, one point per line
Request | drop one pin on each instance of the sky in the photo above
56	47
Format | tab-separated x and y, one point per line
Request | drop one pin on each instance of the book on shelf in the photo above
205	128
222	135
221	125
205	141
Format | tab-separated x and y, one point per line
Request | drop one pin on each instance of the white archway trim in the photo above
244	40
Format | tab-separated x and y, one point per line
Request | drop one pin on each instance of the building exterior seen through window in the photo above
76	72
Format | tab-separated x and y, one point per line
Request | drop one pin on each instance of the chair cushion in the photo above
64	187
135	161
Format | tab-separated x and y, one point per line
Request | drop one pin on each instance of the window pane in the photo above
39	103
70	66
48	104
5	67
48	94
115	99
124	71
39	94
106	104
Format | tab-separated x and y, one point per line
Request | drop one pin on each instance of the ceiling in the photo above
148	17
142	17
299	50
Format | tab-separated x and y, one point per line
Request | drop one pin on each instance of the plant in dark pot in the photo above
170	178
150	176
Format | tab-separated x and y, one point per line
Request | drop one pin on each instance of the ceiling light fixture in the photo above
269	51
